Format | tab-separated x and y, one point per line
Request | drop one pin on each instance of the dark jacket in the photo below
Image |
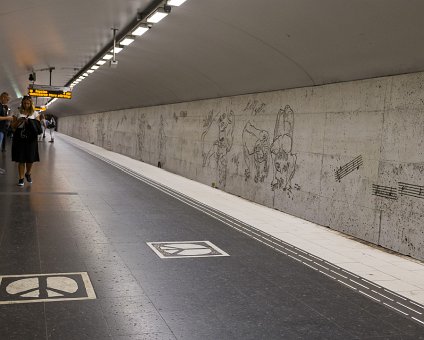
3	123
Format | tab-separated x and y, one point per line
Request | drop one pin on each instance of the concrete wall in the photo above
349	156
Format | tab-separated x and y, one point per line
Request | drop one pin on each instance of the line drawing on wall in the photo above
235	159
256	151
141	133
255	107
217	140
349	167
101	135
413	190
182	114
384	191
284	160
121	121
162	141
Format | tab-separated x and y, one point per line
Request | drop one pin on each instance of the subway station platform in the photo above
101	246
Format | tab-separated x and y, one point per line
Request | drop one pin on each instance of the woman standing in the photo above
24	145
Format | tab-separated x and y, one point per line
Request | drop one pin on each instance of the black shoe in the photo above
51	141
28	178
21	182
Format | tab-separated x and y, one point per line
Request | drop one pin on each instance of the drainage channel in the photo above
398	303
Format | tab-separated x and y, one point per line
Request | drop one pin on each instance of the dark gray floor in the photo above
83	215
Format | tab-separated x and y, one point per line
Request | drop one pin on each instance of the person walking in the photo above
51	126
43	127
4	124
24	145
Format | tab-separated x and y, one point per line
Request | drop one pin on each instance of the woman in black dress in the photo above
24	146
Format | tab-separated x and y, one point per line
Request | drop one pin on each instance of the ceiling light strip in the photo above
156	11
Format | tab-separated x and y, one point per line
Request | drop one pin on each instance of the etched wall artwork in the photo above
384	191
260	153
348	168
378	122
162	142
255	106
413	190
283	158
236	161
101	131
219	129
403	189
141	133
182	114
256	151
120	122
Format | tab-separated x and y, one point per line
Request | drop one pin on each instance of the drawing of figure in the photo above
162	141
256	149
141	132
223	138
281	150
255	107
101	135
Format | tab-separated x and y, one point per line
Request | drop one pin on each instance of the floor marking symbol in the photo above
181	249
45	288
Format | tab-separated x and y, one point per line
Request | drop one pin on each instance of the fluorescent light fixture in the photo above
101	62
107	56
117	50
51	101
140	31
85	74
175	2
90	71
95	67
126	41
157	16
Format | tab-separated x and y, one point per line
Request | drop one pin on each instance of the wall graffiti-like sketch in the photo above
284	160
217	140
413	190
384	191
162	142
255	107
182	114
256	151
101	135
236	161
348	168
141	133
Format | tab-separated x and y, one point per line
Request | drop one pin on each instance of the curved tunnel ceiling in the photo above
206	49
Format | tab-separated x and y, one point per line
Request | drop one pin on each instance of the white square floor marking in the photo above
45	288
180	249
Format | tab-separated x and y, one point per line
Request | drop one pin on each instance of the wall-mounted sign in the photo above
40	108
49	91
